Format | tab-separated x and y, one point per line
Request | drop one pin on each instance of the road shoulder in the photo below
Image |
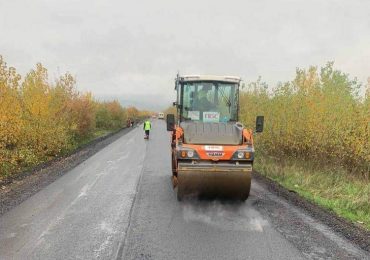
356	234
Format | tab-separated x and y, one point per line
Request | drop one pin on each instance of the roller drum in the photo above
214	180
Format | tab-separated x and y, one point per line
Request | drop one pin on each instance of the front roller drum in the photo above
215	184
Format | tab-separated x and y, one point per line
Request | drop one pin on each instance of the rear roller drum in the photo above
229	185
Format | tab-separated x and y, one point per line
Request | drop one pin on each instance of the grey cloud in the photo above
133	49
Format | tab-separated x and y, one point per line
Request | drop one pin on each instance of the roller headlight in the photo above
240	155
244	155
187	153
190	154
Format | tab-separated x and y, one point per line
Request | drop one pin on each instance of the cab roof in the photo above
228	79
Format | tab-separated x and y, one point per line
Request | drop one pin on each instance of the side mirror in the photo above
170	122
259	124
174	103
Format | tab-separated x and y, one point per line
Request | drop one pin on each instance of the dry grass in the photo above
331	187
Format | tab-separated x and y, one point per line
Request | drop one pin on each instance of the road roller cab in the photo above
212	152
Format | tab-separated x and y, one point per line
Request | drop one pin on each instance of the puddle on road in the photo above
224	216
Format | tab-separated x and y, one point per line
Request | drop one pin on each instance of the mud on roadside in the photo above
21	186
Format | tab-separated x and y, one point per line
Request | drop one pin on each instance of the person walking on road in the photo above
147	127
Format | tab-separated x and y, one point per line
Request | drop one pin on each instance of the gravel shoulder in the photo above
356	234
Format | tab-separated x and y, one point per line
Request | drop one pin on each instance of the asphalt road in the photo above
119	204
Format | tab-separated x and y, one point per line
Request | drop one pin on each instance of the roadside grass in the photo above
328	186
4	174
96	134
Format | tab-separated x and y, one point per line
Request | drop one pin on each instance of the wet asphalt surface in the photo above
119	204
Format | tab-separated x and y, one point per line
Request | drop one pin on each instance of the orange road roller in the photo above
212	152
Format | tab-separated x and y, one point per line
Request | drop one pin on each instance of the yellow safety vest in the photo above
147	125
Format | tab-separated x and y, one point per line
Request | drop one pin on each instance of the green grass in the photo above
101	132
331	187
96	134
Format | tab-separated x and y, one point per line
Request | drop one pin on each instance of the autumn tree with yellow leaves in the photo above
319	116
40	120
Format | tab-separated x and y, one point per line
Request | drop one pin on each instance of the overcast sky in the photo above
132	50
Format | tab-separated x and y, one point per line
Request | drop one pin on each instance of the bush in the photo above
318	116
40	120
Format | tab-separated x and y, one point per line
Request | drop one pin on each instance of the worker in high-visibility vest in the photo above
147	127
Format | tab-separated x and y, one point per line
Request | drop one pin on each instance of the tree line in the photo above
40	120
